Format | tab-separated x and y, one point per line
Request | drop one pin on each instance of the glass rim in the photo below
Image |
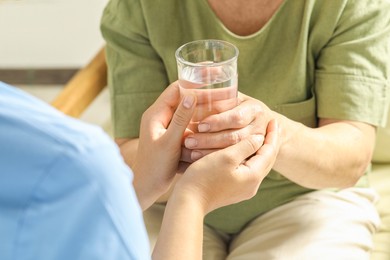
188	63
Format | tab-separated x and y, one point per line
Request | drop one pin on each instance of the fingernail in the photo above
195	155
188	101
190	142
203	127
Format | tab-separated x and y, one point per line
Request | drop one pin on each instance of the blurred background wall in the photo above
43	43
49	33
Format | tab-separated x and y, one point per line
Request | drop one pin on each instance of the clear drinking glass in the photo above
208	68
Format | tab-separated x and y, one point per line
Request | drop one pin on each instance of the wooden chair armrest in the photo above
83	87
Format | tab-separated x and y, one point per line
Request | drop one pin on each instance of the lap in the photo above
318	225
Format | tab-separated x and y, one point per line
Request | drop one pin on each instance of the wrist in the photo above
289	132
189	197
148	188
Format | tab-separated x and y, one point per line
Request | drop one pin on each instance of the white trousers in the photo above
318	225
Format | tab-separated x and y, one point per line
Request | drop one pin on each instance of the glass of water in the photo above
208	69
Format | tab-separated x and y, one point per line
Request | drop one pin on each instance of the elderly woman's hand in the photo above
218	131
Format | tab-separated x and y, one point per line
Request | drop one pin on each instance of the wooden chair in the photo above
84	87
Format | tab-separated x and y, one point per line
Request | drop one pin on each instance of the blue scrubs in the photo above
65	192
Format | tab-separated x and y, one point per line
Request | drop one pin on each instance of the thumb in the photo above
182	117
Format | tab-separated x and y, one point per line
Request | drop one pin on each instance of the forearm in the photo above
181	233
128	149
336	154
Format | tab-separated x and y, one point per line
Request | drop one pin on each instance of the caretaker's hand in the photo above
161	134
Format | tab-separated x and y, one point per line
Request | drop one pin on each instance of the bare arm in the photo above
128	148
333	155
336	154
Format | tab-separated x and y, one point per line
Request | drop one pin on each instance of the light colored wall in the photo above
49	33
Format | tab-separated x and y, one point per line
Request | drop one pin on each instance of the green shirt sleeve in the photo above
136	73
352	73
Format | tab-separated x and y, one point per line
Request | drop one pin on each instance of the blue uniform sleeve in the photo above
84	207
65	192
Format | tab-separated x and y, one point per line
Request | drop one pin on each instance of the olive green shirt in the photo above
313	59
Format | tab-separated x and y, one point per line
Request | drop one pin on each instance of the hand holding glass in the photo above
208	69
